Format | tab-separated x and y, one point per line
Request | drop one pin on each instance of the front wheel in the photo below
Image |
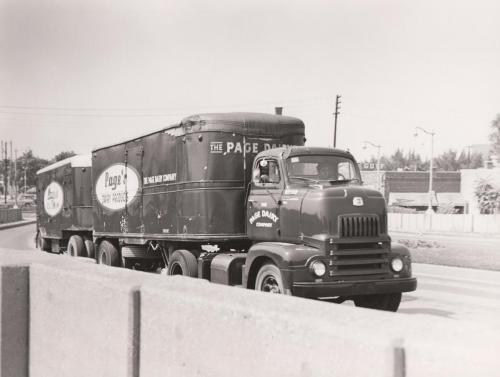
388	301
269	279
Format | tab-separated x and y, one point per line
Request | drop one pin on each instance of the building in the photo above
410	189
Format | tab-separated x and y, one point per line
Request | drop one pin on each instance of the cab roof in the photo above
290	151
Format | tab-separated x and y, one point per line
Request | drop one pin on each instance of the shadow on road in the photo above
429	311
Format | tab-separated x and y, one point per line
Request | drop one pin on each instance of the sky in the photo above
79	74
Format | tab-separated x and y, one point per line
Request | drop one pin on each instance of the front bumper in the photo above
353	288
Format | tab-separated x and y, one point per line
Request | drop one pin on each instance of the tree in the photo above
495	135
63	155
27	161
488	197
401	161
447	161
470	161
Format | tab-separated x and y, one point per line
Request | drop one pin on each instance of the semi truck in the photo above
237	199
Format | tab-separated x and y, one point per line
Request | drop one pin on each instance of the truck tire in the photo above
107	254
183	262
42	243
269	279
89	248
76	248
388	301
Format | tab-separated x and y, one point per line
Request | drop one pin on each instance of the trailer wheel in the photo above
76	247
388	302
89	248
269	279
42	243
183	262
108	254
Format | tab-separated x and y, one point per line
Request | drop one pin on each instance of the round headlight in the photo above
397	264
318	268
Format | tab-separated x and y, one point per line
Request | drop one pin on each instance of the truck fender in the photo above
283	255
400	250
397	248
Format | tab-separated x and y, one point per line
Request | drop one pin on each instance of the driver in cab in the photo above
326	172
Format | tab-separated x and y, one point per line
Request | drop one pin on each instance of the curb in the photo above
16	224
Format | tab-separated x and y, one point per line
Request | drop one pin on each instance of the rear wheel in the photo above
42	243
183	262
76	248
269	279
89	248
388	302
108	254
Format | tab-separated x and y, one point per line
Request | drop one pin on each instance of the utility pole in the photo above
6	168
336	113
1	159
10	170
431	168
15	178
379	180
25	168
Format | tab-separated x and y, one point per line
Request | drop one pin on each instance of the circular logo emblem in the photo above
117	186
53	199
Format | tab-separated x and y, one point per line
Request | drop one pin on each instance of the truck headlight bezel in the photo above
318	268
397	264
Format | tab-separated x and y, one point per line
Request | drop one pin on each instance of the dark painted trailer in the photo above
183	186
64	207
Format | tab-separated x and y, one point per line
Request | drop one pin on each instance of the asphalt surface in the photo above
458	294
18	238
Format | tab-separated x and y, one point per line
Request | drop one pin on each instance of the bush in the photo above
488	197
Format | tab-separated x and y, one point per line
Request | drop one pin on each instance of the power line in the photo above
138	112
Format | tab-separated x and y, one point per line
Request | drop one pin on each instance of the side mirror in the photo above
256	176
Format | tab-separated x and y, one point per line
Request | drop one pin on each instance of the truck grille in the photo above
353	261
359	226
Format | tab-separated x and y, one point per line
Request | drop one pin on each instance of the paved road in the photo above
458	294
18	238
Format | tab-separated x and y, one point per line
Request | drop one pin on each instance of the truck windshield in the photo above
321	168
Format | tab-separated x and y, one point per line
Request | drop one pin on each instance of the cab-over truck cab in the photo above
318	233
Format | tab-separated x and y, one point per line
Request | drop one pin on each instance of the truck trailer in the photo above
237	199
64	210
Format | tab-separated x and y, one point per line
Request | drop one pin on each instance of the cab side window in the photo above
267	172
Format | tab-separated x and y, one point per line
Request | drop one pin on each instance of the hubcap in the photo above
176	269
270	284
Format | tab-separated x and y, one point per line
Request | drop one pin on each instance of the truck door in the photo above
263	222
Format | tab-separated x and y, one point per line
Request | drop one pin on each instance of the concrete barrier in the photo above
60	317
14	320
192	329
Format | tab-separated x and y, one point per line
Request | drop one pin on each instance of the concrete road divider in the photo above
63	318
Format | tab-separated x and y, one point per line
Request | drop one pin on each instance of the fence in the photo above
412	222
8	215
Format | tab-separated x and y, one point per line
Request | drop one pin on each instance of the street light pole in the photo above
378	162
431	167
